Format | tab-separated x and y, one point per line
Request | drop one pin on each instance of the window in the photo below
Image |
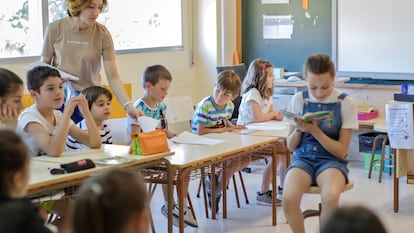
135	25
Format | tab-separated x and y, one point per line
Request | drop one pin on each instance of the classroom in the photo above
211	35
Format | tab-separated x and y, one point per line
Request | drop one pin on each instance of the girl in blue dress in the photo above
319	148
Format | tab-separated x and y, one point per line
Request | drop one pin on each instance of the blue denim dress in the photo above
310	155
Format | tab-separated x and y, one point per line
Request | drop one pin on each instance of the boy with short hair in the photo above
213	115
45	129
99	102
156	81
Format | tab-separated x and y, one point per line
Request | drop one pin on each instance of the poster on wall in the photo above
277	26
275	1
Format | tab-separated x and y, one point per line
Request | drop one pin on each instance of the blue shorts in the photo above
314	167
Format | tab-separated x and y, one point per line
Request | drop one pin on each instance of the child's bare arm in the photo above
204	130
260	117
91	138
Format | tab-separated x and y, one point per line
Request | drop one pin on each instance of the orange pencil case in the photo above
153	142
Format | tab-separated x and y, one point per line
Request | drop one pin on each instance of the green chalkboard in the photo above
312	32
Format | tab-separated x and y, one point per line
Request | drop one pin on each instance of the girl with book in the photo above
319	147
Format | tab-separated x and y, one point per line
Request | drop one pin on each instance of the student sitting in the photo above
11	92
353	219
156	81
256	106
213	115
44	129
17	214
319	148
114	201
99	102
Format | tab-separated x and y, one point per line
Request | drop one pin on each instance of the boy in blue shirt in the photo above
156	81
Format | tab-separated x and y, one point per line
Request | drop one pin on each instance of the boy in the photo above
156	81
45	129
212	115
99	102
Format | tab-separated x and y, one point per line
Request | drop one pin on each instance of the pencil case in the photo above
79	165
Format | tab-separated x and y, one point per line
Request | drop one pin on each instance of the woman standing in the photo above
77	44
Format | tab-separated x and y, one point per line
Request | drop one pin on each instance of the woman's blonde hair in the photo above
256	78
76	6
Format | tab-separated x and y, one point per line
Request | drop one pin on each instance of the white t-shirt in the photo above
245	111
32	114
349	111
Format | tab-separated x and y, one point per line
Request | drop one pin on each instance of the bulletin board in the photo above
311	32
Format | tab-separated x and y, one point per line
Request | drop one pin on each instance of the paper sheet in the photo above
148	124
399	118
63	74
268	125
190	138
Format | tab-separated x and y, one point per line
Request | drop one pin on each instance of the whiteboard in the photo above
374	38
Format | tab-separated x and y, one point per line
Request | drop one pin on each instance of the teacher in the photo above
78	45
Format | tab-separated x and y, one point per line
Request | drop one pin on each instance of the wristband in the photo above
126	104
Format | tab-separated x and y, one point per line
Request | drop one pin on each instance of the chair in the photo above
316	190
384	138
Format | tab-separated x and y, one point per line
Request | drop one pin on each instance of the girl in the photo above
17	214
256	106
319	148
113	202
99	102
11	92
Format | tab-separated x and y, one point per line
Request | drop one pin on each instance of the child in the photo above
356	219
256	106
44	129
319	148
114	201
17	214
156	81
11	92
213	115
99	102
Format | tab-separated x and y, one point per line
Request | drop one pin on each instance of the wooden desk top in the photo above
187	155
41	178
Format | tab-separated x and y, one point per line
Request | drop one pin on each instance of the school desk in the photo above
188	160
42	182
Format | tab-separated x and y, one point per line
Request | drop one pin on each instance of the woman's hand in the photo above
133	112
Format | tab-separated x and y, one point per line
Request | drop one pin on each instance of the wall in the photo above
312	32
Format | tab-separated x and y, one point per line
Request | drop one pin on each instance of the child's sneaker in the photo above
176	220
279	193
189	218
266	198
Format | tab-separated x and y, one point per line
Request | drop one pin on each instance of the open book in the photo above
310	116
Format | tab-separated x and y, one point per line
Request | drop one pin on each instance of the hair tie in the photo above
264	67
96	189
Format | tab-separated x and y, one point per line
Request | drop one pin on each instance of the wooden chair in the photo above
316	190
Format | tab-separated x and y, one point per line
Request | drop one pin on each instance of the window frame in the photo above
45	21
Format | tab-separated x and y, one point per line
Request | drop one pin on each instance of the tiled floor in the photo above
257	218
